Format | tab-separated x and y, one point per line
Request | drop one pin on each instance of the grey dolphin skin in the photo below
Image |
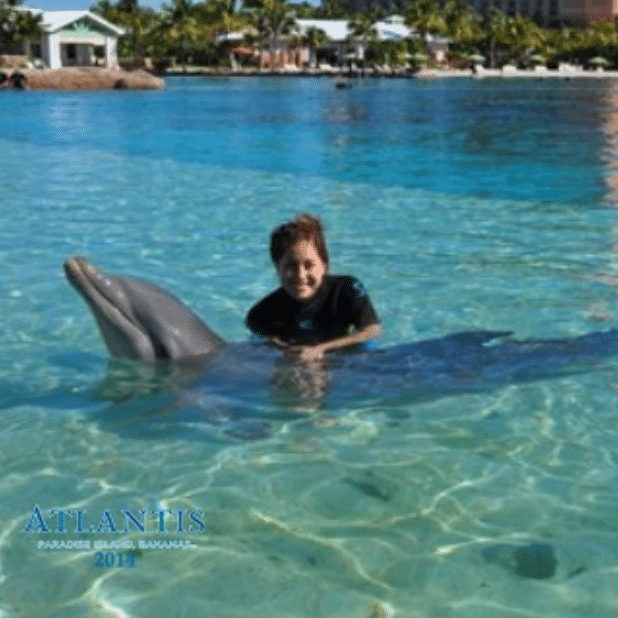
138	319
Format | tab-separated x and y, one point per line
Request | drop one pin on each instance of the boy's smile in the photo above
301	270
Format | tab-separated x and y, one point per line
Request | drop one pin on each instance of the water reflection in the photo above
609	127
247	391
600	310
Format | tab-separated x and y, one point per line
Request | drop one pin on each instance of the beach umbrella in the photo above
476	58
242	50
419	57
598	61
536	59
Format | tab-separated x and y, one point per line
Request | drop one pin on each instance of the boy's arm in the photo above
359	307
316	352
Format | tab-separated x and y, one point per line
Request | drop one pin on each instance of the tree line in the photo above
195	32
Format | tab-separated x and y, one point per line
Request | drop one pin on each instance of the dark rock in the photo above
19	80
536	561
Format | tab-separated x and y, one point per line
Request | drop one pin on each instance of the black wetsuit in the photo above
341	302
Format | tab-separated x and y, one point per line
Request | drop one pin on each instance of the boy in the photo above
312	312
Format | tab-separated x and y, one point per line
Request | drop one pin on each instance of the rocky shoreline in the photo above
79	78
98	78
345	77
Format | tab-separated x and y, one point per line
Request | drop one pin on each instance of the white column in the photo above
45	49
111	51
53	45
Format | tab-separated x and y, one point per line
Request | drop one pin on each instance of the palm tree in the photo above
159	45
601	39
426	16
218	18
463	24
567	42
260	27
145	27
138	22
221	16
496	29
527	37
274	19
314	38
128	6
393	53
363	33
103	8
332	9
517	36
29	28
18	26
181	27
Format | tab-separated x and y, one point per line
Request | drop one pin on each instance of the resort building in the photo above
339	48
388	29
551	13
360	6
585	12
72	38
544	12
547	13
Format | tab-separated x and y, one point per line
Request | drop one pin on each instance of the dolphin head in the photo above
138	319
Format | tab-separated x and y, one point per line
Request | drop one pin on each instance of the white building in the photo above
70	38
390	28
340	45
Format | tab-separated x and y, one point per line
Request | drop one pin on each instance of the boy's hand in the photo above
308	353
311	353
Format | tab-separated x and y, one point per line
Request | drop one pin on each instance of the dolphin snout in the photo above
76	263
86	278
74	267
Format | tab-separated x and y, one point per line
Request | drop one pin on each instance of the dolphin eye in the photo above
160	350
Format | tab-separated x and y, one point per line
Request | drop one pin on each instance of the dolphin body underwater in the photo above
139	320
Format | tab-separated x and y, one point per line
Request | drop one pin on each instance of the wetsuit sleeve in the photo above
255	321
260	319
361	310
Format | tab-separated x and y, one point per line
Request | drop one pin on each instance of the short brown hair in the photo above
303	227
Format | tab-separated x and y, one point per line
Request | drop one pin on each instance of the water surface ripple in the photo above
460	204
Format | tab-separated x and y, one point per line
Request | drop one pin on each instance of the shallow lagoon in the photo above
461	205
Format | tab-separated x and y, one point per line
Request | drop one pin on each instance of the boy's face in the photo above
301	270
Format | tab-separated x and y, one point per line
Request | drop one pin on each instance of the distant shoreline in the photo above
102	79
478	73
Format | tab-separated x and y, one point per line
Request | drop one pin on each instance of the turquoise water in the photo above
460	204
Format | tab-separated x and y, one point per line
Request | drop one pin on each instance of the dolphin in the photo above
138	319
